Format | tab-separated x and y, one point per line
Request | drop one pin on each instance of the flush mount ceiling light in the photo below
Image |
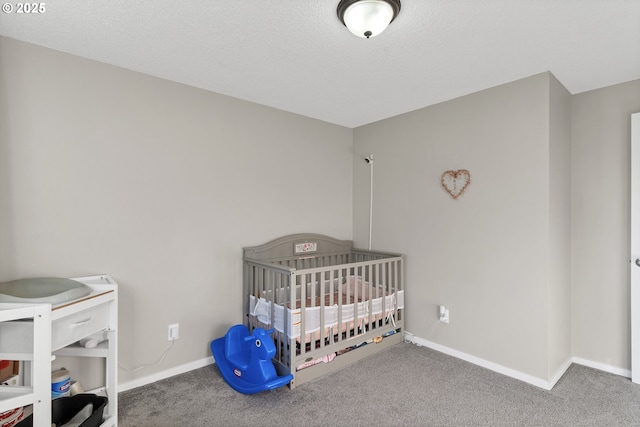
368	18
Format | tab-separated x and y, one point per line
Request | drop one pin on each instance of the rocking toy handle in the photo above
252	337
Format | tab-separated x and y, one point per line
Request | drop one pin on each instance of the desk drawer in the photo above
71	328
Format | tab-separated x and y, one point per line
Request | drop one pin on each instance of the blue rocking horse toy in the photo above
245	362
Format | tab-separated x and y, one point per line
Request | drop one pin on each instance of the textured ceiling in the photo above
296	56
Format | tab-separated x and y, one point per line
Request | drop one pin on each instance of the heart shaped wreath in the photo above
455	182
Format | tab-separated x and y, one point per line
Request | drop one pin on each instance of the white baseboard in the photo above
563	368
603	367
165	374
538	382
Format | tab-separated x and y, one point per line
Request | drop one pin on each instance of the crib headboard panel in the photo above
298	245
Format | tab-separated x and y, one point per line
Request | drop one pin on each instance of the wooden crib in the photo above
328	303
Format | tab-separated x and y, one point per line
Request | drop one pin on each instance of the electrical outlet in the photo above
173	332
444	314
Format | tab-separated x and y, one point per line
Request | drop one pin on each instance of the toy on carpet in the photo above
244	360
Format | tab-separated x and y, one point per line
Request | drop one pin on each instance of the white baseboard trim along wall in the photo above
547	385
603	367
165	374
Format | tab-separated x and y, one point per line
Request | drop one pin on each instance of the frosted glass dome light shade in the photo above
368	18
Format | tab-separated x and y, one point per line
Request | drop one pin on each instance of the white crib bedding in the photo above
362	303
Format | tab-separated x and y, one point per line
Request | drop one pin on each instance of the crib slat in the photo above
382	274
274	298
352	274
331	301
303	314
290	304
340	299
320	278
370	294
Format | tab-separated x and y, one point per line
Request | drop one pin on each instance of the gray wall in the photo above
601	130
487	255
481	255
103	170
160	184
559	226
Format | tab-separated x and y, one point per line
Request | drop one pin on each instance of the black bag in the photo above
63	409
